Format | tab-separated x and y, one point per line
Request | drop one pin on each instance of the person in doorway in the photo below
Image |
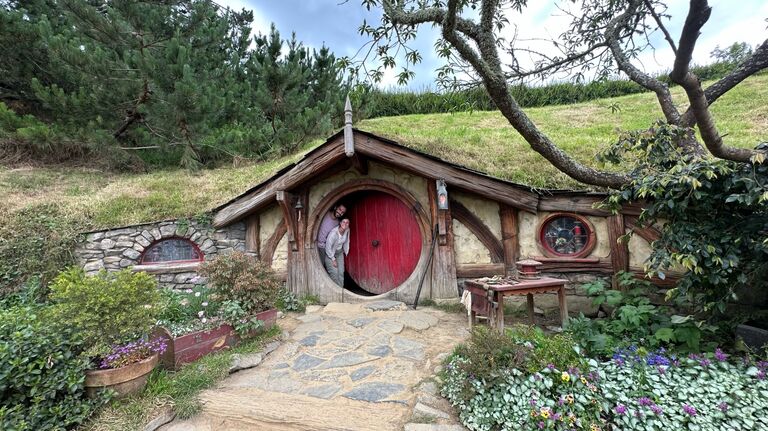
329	222
336	248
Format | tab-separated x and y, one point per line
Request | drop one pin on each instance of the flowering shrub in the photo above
242	278
107	308
190	310
636	390
132	352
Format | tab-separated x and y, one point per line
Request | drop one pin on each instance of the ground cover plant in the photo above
636	389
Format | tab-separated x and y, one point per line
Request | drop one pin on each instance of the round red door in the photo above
384	244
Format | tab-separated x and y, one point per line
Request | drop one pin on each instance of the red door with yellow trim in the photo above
385	242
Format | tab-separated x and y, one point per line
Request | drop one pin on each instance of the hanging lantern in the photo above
442	195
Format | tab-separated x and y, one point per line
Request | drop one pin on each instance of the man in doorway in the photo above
329	222
336	248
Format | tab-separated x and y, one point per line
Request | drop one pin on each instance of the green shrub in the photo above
41	373
633	318
107	308
244	279
558	350
35	242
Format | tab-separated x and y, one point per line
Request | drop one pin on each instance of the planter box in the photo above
125	381
191	347
753	336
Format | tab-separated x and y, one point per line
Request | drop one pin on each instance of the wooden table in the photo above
488	297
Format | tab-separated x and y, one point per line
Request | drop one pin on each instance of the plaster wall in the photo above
639	250
467	247
269	219
280	258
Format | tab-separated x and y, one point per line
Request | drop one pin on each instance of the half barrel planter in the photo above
191	347
125	381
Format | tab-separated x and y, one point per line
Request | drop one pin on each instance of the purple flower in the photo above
720	356
723	407
551	366
656	410
689	410
541	425
644	401
761	375
705	362
556	417
532	402
620	409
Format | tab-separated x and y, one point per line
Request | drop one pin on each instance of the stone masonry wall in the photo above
116	249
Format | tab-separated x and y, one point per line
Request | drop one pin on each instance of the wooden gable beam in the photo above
302	171
286	202
427	167
648	233
481	231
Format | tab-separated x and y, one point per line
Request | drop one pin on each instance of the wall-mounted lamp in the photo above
442	195
298	208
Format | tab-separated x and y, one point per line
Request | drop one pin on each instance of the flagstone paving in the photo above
342	367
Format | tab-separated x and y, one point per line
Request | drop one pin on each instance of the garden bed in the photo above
191	347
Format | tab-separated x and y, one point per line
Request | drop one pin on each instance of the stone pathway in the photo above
342	367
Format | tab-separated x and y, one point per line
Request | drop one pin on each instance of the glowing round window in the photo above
172	250
566	235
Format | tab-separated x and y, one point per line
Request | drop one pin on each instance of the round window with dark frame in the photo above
171	250
566	235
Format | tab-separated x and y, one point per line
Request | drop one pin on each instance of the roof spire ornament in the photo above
349	142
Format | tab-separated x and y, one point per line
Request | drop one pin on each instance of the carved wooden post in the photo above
444	284
619	248
509	238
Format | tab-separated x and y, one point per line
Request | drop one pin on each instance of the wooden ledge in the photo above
566	259
167	268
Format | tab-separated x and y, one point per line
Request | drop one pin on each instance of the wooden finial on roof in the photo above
349	142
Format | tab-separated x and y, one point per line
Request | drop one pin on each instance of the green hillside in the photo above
481	140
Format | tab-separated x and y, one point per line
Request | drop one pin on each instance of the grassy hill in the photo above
92	199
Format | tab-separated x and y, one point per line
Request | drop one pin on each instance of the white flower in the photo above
204	304
200	313
204	320
197	294
147	305
188	290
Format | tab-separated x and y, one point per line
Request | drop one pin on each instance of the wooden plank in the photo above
296	279
648	233
573	204
271	246
252	232
477	227
286	201
307	168
619	249
475	270
444	283
556	265
421	165
509	237
166	268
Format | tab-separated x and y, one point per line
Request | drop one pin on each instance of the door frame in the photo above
368	184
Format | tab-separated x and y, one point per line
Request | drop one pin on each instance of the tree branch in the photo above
488	66
698	14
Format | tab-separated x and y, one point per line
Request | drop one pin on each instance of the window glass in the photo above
171	250
565	235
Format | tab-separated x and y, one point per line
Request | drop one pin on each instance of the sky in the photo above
334	23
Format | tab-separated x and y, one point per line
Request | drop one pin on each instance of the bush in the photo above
108	308
41	373
634	318
243	279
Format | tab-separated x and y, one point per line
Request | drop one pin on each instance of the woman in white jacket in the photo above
336	248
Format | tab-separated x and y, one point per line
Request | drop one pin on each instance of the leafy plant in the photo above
558	350
633	318
244	279
41	373
108	308
241	320
132	352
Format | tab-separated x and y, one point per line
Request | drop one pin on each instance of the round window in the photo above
566	235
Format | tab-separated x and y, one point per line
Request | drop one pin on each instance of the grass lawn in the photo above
480	140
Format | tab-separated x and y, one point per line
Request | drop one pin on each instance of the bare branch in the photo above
656	17
698	14
613	36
